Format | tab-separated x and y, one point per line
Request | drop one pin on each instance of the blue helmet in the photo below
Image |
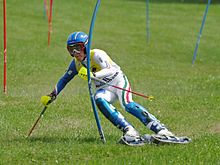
77	37
77	41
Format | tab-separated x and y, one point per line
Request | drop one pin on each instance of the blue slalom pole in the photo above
200	32
88	73
147	21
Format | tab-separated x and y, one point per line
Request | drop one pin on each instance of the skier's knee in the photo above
111	113
99	94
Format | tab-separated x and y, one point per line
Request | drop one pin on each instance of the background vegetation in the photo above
186	97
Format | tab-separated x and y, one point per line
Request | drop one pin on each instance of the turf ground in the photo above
186	97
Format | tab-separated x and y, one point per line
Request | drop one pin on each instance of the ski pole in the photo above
117	87
41	114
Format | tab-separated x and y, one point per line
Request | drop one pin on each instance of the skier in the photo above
104	68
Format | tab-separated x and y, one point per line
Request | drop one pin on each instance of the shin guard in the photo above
144	116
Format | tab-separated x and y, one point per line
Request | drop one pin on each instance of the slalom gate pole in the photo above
50	22
46	9
147	21
101	133
5	48
200	32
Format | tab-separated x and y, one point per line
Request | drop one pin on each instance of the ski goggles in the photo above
75	48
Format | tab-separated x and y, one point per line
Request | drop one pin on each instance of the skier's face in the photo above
77	51
80	56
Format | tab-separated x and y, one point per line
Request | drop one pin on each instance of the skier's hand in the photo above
47	99
83	73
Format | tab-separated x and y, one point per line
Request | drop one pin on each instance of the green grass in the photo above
186	97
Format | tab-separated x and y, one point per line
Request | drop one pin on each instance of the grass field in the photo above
187	98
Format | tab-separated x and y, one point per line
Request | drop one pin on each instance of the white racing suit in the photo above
104	68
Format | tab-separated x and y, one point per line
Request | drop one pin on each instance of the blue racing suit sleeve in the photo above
69	74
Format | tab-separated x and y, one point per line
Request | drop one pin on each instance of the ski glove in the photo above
83	73
47	99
